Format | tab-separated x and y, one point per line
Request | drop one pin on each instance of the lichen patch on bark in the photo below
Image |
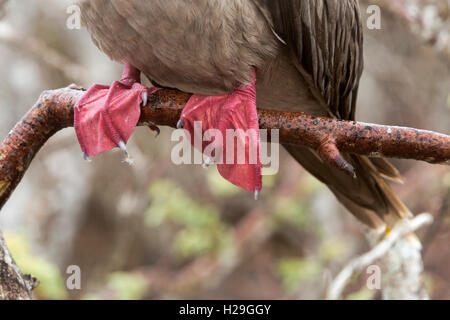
4	185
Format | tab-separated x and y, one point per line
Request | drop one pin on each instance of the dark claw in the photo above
330	153
73	86
155	129
180	124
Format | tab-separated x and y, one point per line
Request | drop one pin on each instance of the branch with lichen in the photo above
330	137
13	284
410	271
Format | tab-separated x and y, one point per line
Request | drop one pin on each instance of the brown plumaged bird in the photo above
307	54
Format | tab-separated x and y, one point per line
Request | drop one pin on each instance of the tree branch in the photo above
54	111
357	265
13	284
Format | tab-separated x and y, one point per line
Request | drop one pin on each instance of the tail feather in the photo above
396	210
387	170
368	197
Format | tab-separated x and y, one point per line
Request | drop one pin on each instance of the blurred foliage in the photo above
363	294
269	181
201	230
429	283
170	202
295	272
311	185
332	250
121	286
292	211
220	187
126	286
51	281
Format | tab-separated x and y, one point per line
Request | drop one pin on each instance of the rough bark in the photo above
13	284
54	111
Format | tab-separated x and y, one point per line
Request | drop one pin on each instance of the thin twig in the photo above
358	264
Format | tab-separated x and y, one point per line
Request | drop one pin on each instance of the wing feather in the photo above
325	39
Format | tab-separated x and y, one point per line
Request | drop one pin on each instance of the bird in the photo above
288	55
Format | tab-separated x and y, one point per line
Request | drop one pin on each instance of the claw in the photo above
128	159
256	195
144	98
180	124
207	163
99	116
85	157
122	146
155	129
330	153
73	86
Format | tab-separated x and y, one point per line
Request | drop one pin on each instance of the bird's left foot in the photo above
106	116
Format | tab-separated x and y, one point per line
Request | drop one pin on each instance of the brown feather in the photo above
326	44
325	39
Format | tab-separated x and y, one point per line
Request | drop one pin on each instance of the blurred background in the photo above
155	230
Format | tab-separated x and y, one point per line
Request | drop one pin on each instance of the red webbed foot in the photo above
106	116
228	127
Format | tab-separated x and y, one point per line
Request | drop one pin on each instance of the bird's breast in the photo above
201	46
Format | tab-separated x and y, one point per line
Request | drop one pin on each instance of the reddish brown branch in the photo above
54	111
